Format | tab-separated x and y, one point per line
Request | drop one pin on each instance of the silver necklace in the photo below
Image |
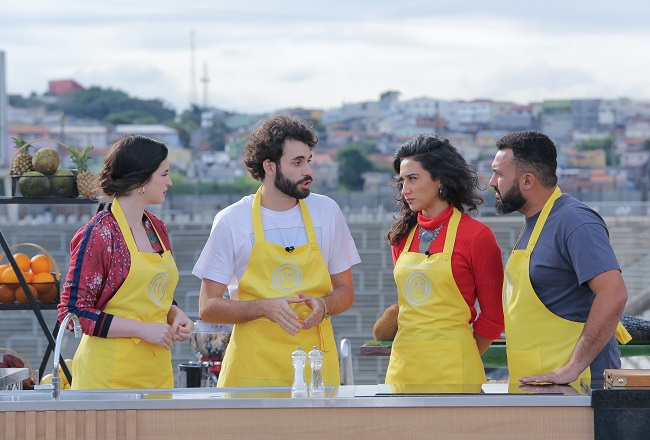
426	238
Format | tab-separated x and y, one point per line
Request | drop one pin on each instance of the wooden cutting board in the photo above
627	378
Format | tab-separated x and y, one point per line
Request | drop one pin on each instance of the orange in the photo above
43	282
7	294
28	277
9	276
48	295
22	298
4	267
40	263
23	261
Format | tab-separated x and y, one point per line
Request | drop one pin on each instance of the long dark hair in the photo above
443	161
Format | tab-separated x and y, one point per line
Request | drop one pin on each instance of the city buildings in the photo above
603	145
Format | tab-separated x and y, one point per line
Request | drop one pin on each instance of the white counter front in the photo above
356	412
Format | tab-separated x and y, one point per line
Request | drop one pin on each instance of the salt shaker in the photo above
299	387
316	386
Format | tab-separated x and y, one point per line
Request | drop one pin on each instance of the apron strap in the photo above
546	210
118	213
162	243
309	226
407	246
452	228
258	229
124	225
450	238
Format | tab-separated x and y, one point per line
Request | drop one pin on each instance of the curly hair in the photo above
533	152
130	163
267	141
443	161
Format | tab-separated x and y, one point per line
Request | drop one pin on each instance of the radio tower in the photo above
192	73
205	80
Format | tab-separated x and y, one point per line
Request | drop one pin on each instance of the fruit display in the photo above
39	175
86	181
37	272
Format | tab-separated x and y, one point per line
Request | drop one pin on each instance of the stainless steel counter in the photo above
11	377
360	396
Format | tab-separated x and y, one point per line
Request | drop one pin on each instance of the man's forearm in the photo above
339	300
341	297
606	311
226	311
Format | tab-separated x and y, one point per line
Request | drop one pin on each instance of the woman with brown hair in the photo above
122	277
445	261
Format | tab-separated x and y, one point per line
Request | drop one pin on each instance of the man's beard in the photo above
290	188
511	201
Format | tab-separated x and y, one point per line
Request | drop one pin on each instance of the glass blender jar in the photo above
209	343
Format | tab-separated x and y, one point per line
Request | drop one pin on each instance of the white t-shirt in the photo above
225	256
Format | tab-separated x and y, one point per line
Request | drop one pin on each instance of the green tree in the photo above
184	133
192	116
217	134
114	105
188	122
365	147
130	117
389	95
319	127
243	185
352	164
22	102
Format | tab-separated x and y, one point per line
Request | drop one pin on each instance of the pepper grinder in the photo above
299	387
316	386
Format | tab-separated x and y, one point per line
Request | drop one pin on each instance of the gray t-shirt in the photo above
572	249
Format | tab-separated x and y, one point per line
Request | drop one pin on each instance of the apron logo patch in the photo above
507	289
287	277
417	288
158	286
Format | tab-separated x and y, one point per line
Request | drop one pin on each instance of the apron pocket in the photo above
434	362
156	349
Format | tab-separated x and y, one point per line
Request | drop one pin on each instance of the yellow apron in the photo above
259	351
434	342
146	295
537	340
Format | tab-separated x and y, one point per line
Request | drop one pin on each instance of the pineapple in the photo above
22	161
86	181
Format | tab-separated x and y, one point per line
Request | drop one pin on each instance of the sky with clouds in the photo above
265	55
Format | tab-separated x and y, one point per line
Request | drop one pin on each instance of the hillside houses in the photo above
473	126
